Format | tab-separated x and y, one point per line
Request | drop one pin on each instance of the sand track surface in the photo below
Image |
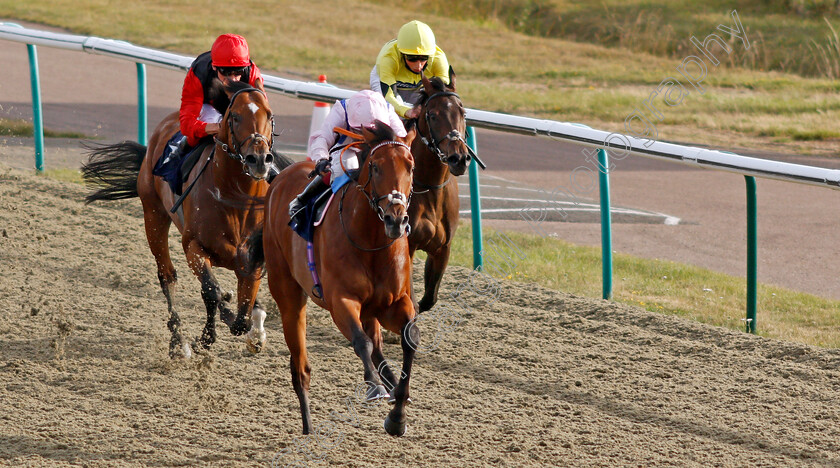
512	375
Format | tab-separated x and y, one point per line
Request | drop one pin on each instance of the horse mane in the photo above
437	84
381	132
218	93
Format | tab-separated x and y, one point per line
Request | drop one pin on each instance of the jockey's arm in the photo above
192	98
387	69
324	138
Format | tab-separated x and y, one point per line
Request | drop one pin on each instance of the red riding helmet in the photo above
230	50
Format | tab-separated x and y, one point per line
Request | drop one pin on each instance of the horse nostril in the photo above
405	220
250	159
389	219
453	159
269	158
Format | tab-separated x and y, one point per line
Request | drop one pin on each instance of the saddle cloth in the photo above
175	170
310	217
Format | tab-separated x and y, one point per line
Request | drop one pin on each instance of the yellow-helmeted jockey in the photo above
396	74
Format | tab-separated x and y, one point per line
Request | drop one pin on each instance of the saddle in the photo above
306	219
176	170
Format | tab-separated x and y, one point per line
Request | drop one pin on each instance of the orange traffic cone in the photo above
319	112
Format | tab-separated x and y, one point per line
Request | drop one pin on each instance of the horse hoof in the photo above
376	393
396	429
425	305
180	352
254	346
392	399
239	327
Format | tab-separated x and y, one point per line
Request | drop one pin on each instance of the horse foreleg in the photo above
211	292
157	223
246	294
373	332
345	314
433	274
399	318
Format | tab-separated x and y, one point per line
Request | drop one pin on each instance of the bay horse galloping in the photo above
440	153
361	253
216	217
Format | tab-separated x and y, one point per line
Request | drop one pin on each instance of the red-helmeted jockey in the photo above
228	60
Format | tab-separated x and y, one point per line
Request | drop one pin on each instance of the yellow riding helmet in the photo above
416	38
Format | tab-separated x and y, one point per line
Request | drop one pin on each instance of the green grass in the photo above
797	37
22	128
656	285
506	64
65	175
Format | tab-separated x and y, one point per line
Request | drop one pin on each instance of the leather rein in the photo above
234	151
374	199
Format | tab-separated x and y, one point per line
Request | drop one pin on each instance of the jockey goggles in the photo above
230	71
416	58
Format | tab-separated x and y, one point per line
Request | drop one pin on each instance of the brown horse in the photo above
217	215
440	153
364	269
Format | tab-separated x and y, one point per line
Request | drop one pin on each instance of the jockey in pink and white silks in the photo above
327	147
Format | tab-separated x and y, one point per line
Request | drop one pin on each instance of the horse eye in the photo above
374	169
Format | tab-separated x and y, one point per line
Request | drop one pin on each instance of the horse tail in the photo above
255	257
114	168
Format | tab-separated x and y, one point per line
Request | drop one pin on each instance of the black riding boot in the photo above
315	187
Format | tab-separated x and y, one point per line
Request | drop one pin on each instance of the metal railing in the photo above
565	131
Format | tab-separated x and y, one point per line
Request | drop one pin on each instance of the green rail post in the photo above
606	224
142	125
475	203
752	254
37	116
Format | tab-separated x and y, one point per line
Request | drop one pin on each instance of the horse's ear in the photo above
427	84
369	135
409	135
223	130
451	78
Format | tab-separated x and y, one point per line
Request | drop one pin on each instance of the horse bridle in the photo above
394	198
434	143
236	154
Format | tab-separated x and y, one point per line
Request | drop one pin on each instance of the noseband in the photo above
234	151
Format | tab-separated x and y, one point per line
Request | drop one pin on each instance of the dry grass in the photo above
499	70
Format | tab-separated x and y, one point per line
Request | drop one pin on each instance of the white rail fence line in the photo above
564	131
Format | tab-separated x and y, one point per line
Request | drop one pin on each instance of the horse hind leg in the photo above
291	303
157	224
433	274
